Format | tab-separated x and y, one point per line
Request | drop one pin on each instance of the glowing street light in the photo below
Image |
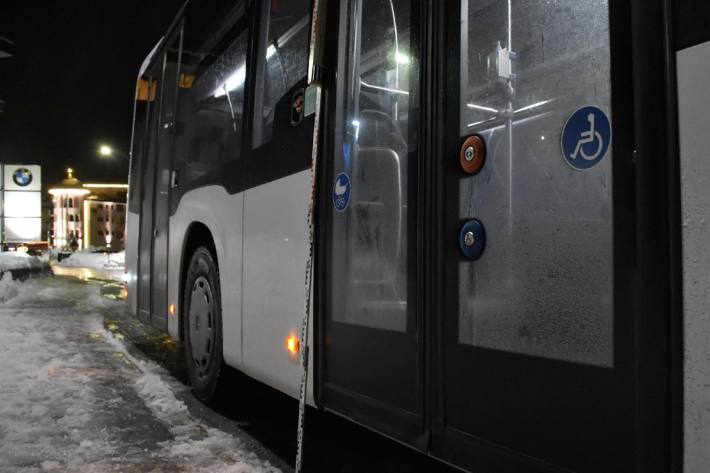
106	151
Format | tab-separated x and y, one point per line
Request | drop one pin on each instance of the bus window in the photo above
286	52
369	241
545	285
142	108
210	109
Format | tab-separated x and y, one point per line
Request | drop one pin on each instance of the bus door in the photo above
370	363
536	369
155	199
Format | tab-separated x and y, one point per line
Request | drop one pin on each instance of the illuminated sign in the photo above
22	177
21	203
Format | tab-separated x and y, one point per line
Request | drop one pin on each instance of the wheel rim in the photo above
201	325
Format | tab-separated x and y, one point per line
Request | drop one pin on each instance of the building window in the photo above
100	219
71	203
93	210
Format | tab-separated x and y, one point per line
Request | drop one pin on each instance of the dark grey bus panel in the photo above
145	178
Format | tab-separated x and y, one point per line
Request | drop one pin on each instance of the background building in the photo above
21	205
88	215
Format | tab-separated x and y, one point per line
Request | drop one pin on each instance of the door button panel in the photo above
472	239
473	154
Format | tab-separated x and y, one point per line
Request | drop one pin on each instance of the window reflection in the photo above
370	237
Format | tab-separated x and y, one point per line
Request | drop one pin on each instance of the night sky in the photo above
71	83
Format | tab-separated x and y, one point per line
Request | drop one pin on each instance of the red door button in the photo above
473	154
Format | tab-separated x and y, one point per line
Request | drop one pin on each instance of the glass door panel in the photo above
371	332
537	360
545	285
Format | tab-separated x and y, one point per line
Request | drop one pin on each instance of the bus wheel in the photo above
203	325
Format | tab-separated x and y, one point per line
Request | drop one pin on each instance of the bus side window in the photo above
210	109
138	149
284	49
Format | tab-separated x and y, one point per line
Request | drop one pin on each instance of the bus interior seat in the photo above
379	208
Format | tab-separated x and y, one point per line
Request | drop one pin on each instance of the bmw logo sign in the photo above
22	177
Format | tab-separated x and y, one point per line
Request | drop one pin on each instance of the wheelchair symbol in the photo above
586	138
590	136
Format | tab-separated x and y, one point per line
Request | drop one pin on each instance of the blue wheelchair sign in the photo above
341	192
586	138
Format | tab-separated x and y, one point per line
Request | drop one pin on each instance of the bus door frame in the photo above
155	314
645	179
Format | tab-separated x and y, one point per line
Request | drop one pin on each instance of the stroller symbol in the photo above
586	138
341	192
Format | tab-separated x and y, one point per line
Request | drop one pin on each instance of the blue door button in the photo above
472	239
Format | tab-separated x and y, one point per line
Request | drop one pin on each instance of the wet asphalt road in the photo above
332	444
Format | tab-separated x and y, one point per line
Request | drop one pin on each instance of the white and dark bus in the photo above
510	265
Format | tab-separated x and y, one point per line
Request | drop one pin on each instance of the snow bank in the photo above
74	400
195	447
8	288
89	259
48	404
10	261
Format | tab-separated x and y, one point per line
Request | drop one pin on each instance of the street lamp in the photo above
105	150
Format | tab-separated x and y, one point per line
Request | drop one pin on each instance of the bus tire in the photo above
203	325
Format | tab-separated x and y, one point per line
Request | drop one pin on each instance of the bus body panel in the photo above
693	103
275	250
221	213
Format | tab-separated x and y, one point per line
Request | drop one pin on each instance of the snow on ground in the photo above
89	259
73	399
18	260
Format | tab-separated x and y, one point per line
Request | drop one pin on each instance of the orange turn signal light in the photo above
172	309
293	345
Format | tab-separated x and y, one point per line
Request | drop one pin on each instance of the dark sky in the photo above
71	83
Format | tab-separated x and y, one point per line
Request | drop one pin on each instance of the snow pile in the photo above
73	399
8	289
46	401
195	447
89	259
18	260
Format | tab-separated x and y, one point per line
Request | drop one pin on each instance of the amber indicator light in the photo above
293	345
